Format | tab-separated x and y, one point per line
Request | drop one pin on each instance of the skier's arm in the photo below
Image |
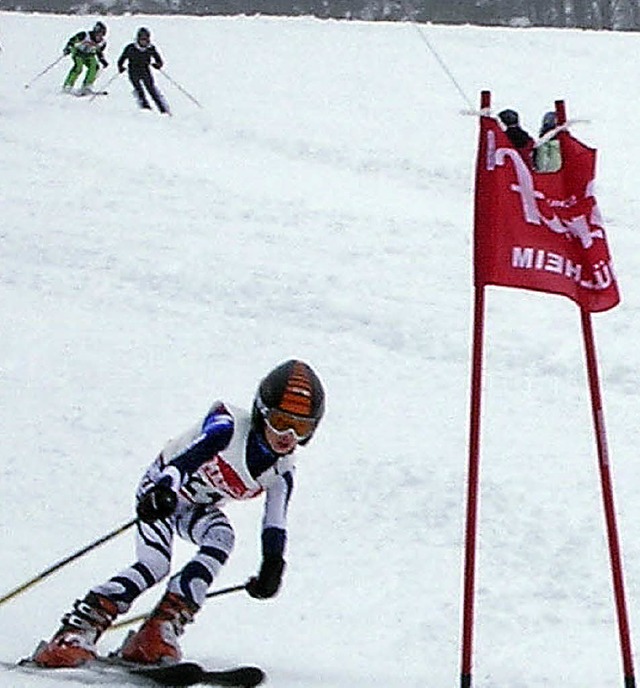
122	59
185	455
81	35
157	60
274	539
100	56
274	519
157	498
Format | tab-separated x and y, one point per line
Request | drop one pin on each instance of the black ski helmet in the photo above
143	33
100	28
292	387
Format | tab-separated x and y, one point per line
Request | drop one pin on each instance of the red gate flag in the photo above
541	231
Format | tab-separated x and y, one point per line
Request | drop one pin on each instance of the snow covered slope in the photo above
319	205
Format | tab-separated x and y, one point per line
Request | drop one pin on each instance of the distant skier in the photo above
87	50
229	454
140	55
517	135
547	154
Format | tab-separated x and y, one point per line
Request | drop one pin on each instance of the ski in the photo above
191	674
181	674
89	94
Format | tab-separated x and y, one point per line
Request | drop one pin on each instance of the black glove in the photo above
158	503
121	69
66	51
156	66
267	582
105	64
509	118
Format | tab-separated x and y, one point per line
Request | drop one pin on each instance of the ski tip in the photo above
243	677
28	661
254	676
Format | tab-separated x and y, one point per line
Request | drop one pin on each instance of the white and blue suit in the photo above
220	458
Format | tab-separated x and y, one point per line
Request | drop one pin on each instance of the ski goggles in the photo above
282	423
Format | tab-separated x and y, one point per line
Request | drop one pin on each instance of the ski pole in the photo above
141	617
65	561
111	80
43	72
180	88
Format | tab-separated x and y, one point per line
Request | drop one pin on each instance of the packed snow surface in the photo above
317	205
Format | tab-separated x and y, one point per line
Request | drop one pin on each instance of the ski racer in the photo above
140	55
231	453
87	49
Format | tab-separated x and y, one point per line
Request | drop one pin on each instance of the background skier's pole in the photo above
111	80
44	71
180	88
67	560
141	617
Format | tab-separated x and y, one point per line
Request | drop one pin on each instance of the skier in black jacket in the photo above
140	55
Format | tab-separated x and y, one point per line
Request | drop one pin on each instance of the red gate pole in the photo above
607	496
473	480
597	411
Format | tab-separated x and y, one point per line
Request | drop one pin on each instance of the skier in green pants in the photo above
87	50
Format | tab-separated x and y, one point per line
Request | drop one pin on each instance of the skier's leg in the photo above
91	63
138	91
74	72
158	98
153	553
157	639
74	642
213	533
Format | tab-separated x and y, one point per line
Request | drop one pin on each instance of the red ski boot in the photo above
75	641
156	642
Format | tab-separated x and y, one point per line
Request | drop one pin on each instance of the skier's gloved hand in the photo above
267	583
158	503
156	66
105	64
121	69
67	50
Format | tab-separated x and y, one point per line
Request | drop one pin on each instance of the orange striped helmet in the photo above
293	388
